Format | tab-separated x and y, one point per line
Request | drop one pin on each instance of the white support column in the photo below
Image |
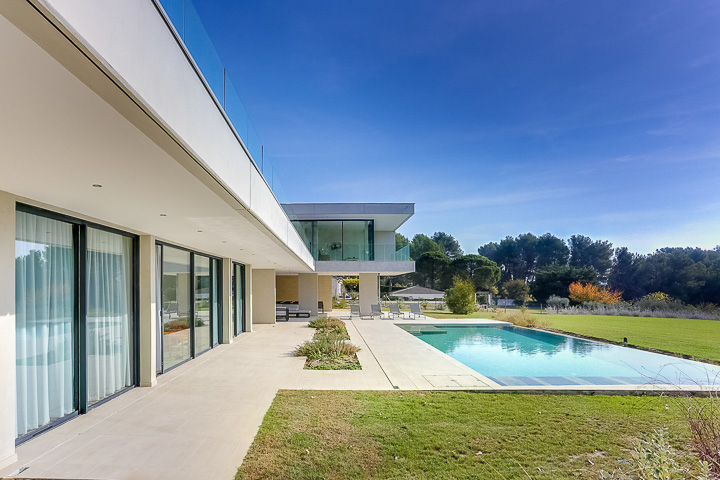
263	297
368	291
8	388
226	299
308	292
148	311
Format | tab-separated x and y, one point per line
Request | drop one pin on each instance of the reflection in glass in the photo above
175	306
202	303
44	310
329	240
238	299
356	240
332	240
109	314
214	301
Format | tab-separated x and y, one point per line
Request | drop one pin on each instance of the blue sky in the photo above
496	118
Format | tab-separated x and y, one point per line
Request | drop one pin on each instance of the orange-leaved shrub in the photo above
587	292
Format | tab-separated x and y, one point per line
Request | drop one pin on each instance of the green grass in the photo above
428	435
697	338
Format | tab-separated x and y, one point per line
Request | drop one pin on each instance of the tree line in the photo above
546	265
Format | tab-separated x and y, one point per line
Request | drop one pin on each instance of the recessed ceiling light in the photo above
224	241
97	185
163	214
199	231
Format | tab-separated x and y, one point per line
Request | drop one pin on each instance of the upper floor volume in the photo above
351	232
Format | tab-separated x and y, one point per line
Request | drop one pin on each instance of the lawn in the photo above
424	435
698	338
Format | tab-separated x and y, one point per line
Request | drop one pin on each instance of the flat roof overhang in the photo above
387	216
70	121
343	268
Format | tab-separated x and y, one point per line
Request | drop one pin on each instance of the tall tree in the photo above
421	244
586	253
551	250
484	272
432	267
401	241
623	274
447	242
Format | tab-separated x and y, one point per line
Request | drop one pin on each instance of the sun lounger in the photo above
354	310
395	310
415	310
376	310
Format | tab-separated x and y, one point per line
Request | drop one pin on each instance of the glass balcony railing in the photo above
187	23
390	253
350	252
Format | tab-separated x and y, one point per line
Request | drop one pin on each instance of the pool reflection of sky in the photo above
506	351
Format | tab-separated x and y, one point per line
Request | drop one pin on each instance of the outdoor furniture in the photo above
321	306
295	311
354	310
415	310
376	310
282	313
365	315
395	310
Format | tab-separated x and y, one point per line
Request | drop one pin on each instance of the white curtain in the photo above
44	299
109	313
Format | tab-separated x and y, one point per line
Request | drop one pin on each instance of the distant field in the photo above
699	338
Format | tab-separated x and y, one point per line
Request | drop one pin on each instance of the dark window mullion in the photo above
81	318
192	305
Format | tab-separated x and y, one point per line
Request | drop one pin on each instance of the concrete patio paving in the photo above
200	419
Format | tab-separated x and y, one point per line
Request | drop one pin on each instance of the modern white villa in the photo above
141	224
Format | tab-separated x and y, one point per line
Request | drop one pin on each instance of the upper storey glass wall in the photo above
187	23
338	240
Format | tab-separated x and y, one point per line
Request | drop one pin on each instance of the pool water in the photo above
519	356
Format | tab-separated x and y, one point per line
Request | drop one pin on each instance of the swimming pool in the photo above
517	356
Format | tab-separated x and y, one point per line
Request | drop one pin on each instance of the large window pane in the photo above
176	306
203	287
329	240
109	314
356	240
44	323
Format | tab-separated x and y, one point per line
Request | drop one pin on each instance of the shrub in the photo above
522	318
338	302
326	346
518	290
557	302
460	298
330	325
704	421
587	292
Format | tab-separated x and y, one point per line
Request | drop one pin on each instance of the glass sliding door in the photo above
238	299
45	326
329	240
110	320
202	289
176	306
189	306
